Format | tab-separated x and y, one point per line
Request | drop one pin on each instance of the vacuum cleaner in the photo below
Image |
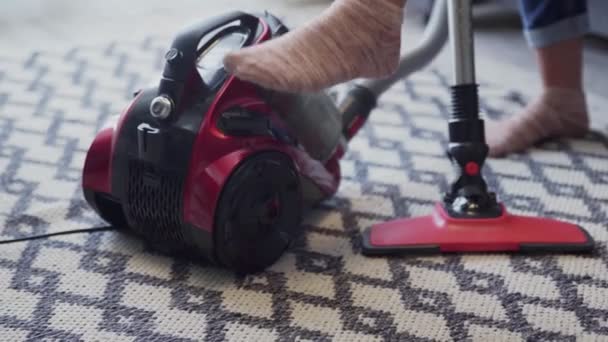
208	166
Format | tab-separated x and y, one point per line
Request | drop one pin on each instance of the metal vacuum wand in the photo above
467	148
461	41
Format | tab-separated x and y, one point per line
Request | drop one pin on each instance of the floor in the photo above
105	286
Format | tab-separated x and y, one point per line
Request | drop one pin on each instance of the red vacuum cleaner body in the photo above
205	165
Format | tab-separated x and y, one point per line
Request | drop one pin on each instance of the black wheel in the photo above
259	213
108	209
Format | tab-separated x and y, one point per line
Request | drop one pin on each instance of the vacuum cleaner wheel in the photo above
259	213
109	210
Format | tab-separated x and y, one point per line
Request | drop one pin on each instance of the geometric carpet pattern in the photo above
105	286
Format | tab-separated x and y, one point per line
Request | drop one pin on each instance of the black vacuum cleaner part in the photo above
65	232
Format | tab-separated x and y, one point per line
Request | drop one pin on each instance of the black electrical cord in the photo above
44	236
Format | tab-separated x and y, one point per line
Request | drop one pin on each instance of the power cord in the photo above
67	232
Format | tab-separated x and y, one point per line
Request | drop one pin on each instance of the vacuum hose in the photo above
355	109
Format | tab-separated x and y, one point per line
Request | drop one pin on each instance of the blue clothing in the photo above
550	21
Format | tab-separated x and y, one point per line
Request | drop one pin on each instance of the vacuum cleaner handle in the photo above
183	53
181	58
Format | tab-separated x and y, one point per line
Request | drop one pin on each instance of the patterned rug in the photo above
106	286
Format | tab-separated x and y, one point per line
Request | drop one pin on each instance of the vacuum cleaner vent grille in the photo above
154	203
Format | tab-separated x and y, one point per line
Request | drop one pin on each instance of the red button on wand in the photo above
472	169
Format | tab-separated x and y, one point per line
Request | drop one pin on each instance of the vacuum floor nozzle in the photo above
440	233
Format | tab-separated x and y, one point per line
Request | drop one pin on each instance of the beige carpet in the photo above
105	286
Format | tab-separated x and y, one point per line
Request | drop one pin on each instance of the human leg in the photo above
351	39
555	29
